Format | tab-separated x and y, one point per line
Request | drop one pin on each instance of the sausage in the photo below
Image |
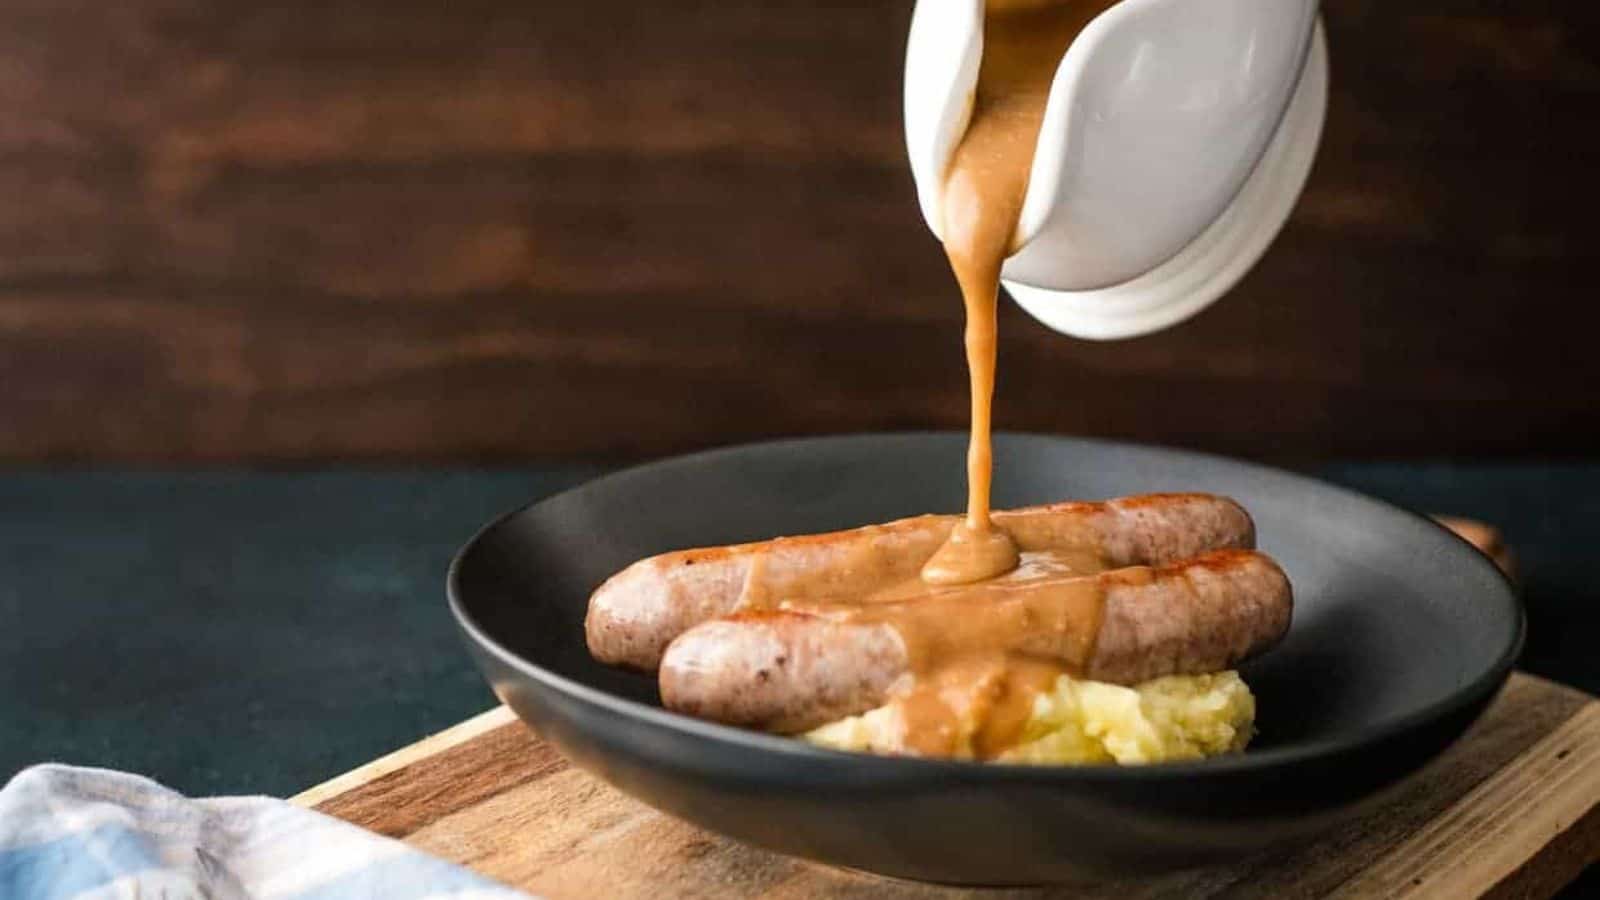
637	612
792	671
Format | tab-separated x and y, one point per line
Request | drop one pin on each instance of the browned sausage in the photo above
635	614
786	671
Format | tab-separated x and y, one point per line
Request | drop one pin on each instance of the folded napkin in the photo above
92	833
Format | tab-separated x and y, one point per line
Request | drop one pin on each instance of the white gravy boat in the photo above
1176	139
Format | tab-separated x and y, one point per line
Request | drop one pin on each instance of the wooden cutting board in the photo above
1512	810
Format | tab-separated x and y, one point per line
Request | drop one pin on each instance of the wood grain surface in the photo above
490	230
1512	810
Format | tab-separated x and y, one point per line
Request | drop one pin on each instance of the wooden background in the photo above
495	230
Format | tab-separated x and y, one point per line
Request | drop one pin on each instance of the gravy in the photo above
986	626
978	705
971	687
979	660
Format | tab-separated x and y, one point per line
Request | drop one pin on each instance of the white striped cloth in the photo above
68	832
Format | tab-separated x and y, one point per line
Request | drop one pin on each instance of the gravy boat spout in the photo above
1175	141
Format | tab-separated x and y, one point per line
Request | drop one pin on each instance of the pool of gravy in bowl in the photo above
987	625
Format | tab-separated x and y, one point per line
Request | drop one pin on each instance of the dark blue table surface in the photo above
261	632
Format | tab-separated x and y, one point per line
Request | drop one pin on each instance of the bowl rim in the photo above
918	768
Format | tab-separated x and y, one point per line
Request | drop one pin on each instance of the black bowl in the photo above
1402	633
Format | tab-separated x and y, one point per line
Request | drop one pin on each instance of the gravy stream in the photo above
986	626
978	660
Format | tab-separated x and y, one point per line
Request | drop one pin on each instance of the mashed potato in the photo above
1085	722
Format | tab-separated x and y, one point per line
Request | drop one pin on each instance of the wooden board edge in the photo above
1555	866
1542	807
454	736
